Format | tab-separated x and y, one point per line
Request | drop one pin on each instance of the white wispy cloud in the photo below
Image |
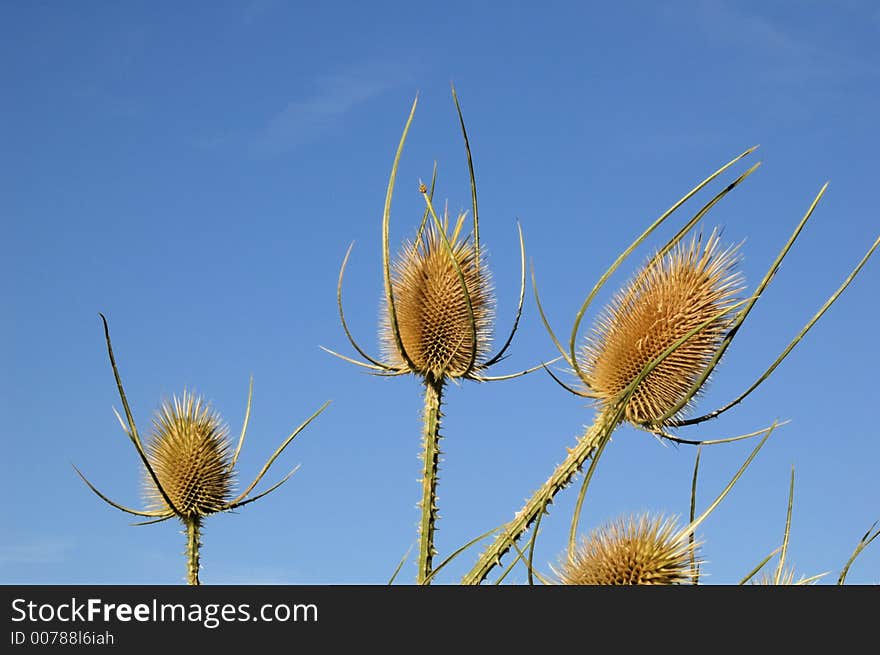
42	551
331	98
254	10
788	58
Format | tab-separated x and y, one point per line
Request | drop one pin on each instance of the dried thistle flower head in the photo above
785	578
444	305
641	550
672	296
190	452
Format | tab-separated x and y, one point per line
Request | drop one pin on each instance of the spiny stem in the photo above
431	459
193	543
593	438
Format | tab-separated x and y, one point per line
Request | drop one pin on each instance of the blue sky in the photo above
197	174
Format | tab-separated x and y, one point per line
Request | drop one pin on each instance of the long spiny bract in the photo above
641	550
432	307
666	300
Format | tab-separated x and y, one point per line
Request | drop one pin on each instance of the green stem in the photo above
193	543
593	438
431	460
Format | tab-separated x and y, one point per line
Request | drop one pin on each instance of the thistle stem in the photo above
591	440
193	543
431	460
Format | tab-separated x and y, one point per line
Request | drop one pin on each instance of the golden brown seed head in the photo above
667	299
630	551
189	451
435	325
785	579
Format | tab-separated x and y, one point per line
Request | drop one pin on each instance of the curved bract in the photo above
438	306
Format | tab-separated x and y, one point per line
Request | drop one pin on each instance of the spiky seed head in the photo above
432	307
666	300
189	450
785	579
636	550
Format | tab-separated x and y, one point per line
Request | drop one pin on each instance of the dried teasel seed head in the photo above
435	325
786	578
666	300
630	551
189	450
769	579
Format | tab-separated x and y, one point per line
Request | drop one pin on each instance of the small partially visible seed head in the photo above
630	551
431	307
665	301
785	579
189	450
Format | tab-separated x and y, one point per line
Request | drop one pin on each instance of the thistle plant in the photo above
437	320
652	350
190	464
